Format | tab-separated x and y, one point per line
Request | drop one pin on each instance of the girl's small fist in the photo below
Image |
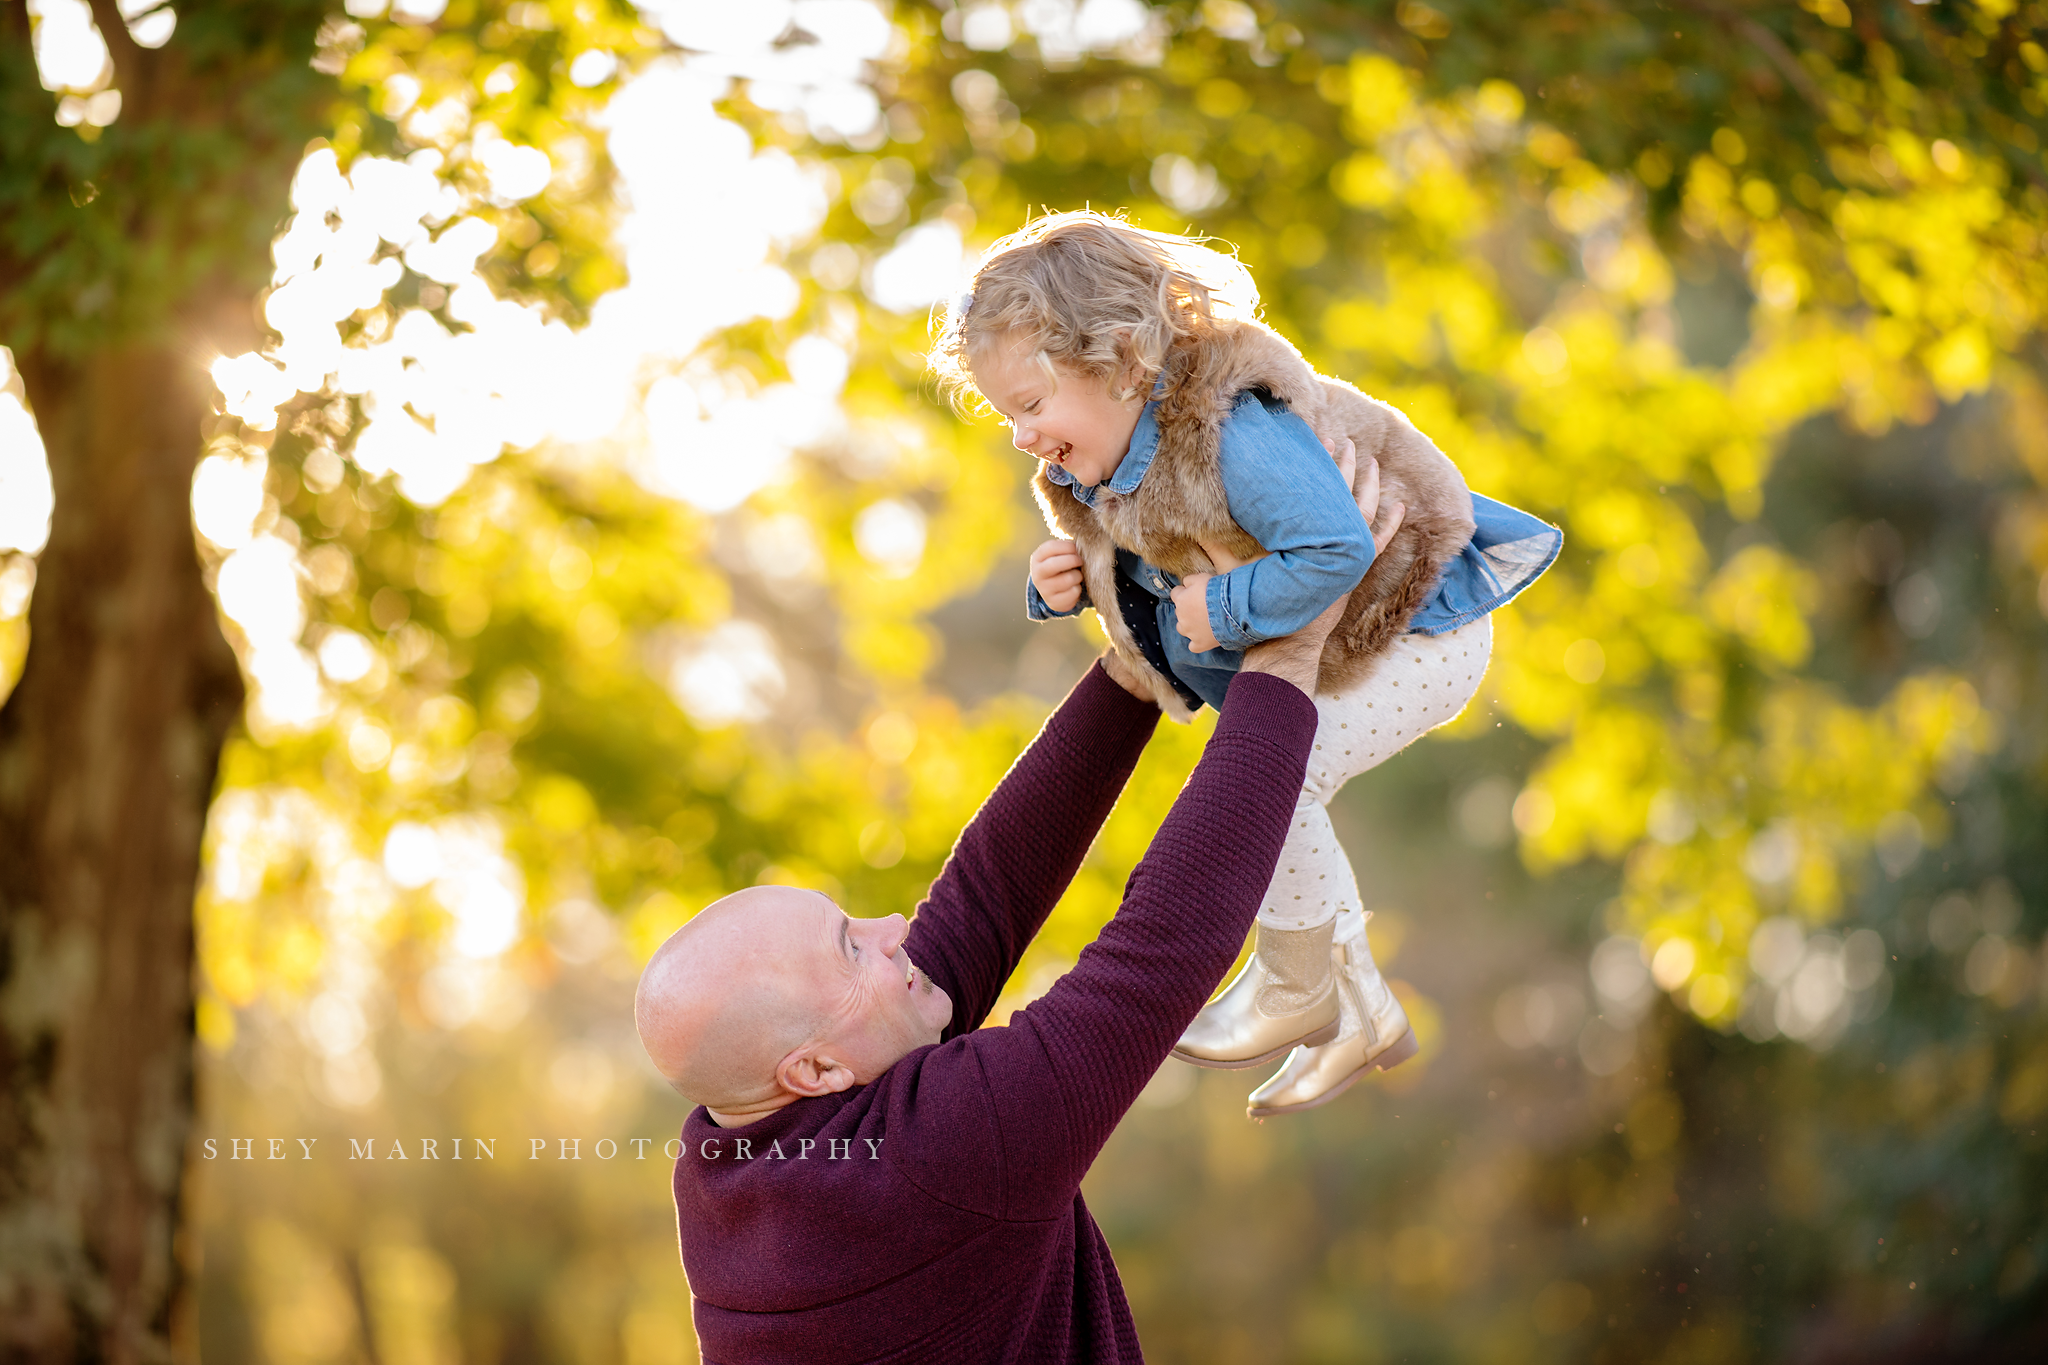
1191	612
1056	573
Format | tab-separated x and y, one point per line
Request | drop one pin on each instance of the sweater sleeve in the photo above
1014	860
1061	1076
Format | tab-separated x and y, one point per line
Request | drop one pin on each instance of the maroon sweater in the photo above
935	1214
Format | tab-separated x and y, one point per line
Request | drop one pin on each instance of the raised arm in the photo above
1014	860
1059	1078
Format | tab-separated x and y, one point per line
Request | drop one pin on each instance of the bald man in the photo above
871	1175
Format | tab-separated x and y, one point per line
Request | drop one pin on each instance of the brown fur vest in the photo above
1180	504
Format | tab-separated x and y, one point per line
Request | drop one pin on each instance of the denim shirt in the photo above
1288	495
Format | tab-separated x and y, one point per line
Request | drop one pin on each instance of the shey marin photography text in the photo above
734	1148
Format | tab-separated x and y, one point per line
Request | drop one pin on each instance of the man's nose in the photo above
894	929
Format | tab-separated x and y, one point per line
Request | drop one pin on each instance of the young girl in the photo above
1186	466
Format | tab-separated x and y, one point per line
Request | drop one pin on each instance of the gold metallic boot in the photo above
1374	1033
1285	995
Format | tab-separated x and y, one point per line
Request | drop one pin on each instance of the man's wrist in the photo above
1289	658
1126	677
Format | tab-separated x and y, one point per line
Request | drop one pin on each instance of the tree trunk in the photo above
108	748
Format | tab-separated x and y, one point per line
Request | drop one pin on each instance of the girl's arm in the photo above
1287	493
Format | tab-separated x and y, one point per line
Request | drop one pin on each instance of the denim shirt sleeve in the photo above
1286	492
1508	551
1036	608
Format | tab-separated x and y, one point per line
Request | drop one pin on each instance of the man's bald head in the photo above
719	1005
773	994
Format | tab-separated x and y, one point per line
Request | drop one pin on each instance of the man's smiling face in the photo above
878	1004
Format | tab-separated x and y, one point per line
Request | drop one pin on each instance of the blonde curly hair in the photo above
1092	292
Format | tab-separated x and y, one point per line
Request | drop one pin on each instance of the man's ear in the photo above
808	1073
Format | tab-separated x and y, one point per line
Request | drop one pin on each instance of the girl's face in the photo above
1077	424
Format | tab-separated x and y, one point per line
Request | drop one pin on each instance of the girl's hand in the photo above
1056	573
1191	612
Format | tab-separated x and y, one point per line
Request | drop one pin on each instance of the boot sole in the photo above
1400	1052
1326	1033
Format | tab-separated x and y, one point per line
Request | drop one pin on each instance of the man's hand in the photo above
1298	657
1124	676
1369	496
1191	612
1056	573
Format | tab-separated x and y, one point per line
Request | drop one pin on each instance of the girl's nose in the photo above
1024	438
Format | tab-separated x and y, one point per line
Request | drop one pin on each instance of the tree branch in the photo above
132	67
1769	43
114	29
143	75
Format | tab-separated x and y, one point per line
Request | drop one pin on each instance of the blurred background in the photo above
593	544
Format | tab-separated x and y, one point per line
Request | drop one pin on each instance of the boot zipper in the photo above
1367	1024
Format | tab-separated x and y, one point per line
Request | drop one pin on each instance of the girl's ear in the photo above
1130	375
1127	347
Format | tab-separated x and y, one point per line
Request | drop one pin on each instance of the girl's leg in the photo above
1285	994
1285	997
1312	883
1417	689
1423	682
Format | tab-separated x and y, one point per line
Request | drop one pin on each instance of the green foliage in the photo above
1487	272
505	66
109	237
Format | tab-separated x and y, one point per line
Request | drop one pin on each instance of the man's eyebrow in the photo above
845	943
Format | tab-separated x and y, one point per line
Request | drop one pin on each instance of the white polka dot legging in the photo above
1419	684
